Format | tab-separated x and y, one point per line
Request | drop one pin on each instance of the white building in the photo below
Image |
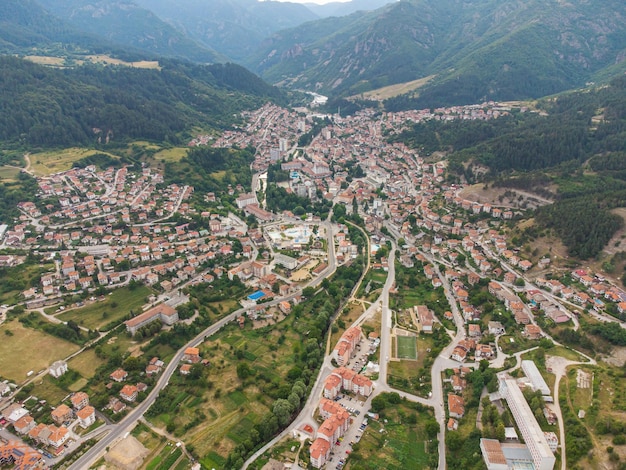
536	379
86	416
58	368
553	440
246	199
542	456
287	261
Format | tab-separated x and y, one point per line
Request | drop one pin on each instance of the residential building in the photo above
346	344
456	406
79	400
163	312
62	414
58	368
86	416
118	375
129	393
542	456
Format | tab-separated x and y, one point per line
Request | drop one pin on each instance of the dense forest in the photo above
278	200
210	169
530	141
12	193
81	106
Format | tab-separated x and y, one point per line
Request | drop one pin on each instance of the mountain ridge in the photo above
480	49
126	23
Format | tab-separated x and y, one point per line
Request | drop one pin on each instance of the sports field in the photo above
407	347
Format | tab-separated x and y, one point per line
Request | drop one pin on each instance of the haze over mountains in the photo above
471	50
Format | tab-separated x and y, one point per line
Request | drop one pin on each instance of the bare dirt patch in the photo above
128	454
395	90
503	197
583	379
617	357
618	242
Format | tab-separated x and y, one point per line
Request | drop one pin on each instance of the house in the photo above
426	319
118	375
185	369
61	414
285	307
24	424
86	416
458	384
453	424
484	351
58	368
129	393
154	366
456	406
459	354
192	355
473	330
496	328
116	405
79	400
532	332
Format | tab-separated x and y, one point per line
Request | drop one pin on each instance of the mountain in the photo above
126	23
346	8
47	107
477	49
234	28
24	25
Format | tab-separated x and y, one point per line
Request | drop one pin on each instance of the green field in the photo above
172	154
112	310
46	163
238	406
25	349
399	446
47	389
407	347
8	173
85	363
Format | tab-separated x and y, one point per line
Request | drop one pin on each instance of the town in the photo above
445	294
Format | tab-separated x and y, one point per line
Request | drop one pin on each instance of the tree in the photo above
294	399
432	428
282	409
243	370
378	404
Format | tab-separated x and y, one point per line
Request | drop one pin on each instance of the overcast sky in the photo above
320	2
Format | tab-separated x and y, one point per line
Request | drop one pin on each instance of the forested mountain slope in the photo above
126	23
234	28
479	49
49	107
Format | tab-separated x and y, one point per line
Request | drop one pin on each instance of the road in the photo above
93	454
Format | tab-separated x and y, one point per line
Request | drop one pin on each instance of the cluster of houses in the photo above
52	436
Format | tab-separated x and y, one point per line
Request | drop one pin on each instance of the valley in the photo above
245	234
